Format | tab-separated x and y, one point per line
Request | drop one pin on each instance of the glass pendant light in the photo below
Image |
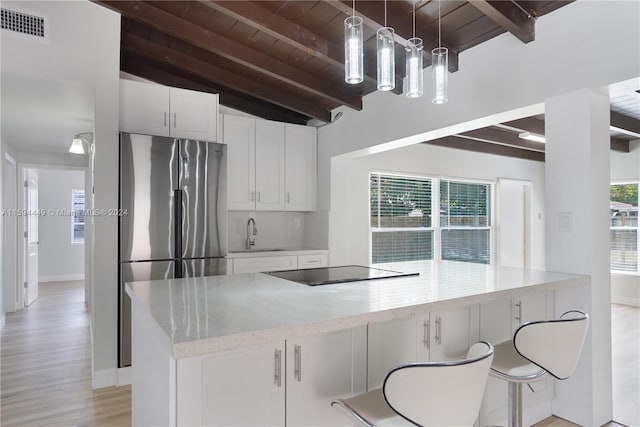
440	66
414	62
386	56
353	50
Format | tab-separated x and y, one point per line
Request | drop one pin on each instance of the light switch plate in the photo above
565	222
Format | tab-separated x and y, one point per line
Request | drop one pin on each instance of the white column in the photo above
577	241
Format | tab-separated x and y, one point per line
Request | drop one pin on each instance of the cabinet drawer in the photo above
313	261
271	263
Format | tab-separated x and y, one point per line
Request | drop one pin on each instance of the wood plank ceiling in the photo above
283	59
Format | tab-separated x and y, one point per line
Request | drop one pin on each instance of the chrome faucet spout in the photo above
252	230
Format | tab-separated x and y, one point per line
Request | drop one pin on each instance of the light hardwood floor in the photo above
45	366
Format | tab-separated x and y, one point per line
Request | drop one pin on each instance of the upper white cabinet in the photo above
270	169
300	167
166	111
271	165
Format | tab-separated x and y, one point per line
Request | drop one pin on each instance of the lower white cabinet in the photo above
277	263
269	263
435	336
288	383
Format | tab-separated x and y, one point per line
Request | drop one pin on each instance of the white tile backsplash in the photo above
275	229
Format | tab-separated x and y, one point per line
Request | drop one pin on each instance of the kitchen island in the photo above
254	349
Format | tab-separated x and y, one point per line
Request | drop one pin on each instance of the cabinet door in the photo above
313	261
194	115
267	263
321	368
243	387
300	168
144	108
390	344
269	165
240	137
450	335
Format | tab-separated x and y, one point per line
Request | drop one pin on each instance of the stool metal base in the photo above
515	404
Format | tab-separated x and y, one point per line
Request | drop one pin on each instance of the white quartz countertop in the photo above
203	315
254	253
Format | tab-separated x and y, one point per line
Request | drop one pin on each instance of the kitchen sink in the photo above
257	250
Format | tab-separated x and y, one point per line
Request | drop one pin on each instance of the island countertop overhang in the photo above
197	316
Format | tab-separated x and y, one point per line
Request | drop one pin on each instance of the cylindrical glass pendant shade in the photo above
386	59
440	65
353	51
414	67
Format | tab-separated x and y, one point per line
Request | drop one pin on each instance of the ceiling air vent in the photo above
22	23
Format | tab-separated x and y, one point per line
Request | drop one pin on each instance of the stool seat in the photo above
372	410
509	365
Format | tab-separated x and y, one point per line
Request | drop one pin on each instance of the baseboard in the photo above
104	378
61	278
2	321
124	376
625	300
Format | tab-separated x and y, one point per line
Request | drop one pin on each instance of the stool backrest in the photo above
554	345
440	394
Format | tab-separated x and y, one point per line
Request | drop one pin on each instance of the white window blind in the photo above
465	219
77	217
624	236
400	218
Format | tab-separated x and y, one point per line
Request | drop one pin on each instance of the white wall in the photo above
625	288
58	258
350	200
84	47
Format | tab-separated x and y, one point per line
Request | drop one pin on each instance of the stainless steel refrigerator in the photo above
173	199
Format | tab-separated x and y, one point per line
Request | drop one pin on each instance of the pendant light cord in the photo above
385	13
414	18
353	8
439	29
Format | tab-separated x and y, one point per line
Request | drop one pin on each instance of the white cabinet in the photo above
166	111
322	368
263	385
267	263
301	168
278	263
240	137
244	387
436	336
271	165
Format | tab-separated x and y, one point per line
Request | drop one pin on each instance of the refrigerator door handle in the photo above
177	224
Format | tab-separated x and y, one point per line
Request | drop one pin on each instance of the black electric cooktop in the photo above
329	275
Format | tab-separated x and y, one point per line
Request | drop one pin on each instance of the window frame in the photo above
74	216
436	229
620	227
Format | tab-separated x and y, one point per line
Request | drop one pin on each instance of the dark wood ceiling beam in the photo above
508	16
132	64
529	124
233	51
164	55
619	144
625	124
372	14
484	147
284	30
504	138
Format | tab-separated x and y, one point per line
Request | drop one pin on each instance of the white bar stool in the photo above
538	348
426	394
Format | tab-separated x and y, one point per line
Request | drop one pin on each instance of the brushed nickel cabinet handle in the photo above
426	335
174	121
438	330
277	372
297	369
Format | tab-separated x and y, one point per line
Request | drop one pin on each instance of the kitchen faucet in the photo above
251	232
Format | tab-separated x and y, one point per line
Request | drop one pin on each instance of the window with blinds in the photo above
403	222
401	228
77	217
465	221
624	236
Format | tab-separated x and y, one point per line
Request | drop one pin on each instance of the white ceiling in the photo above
44	115
625	98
